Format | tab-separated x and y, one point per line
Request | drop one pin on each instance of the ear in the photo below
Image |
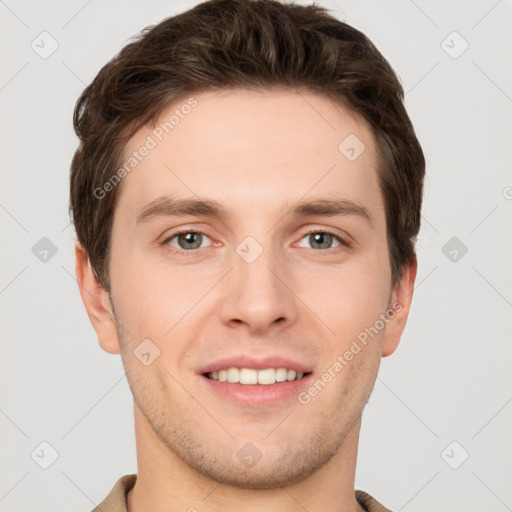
400	303
97	302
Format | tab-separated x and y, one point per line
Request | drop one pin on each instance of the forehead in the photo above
252	150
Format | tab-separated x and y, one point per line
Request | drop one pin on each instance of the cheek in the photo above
155	299
144	291
154	305
347	298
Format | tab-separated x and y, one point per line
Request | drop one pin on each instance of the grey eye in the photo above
188	240
321	240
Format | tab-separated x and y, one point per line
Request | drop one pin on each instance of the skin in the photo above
257	153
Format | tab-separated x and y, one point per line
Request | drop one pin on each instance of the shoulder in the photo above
116	499
369	503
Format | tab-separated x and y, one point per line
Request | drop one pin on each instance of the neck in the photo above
166	484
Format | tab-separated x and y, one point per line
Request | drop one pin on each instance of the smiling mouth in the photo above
252	377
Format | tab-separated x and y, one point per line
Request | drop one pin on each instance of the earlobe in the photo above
97	302
400	303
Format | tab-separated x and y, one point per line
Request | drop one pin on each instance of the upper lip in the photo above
256	363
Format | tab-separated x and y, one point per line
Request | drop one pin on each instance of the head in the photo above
276	136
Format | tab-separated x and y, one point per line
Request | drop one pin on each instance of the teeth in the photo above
281	374
248	376
233	375
267	376
264	377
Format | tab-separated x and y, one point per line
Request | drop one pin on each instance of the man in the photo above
246	198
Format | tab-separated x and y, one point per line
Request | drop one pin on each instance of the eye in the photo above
321	240
187	241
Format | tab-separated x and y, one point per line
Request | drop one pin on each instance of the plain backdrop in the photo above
436	434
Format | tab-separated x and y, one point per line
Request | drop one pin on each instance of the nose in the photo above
257	296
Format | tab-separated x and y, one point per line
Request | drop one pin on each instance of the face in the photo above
244	241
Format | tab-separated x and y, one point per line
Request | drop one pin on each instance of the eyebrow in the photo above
168	206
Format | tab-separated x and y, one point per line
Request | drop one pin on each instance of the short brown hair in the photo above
262	44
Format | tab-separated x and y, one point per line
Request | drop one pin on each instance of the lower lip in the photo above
258	395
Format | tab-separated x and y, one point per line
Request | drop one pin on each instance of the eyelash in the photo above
342	241
192	252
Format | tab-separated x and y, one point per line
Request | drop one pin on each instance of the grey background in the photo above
450	379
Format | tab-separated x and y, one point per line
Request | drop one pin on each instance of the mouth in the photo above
254	377
255	381
259	385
